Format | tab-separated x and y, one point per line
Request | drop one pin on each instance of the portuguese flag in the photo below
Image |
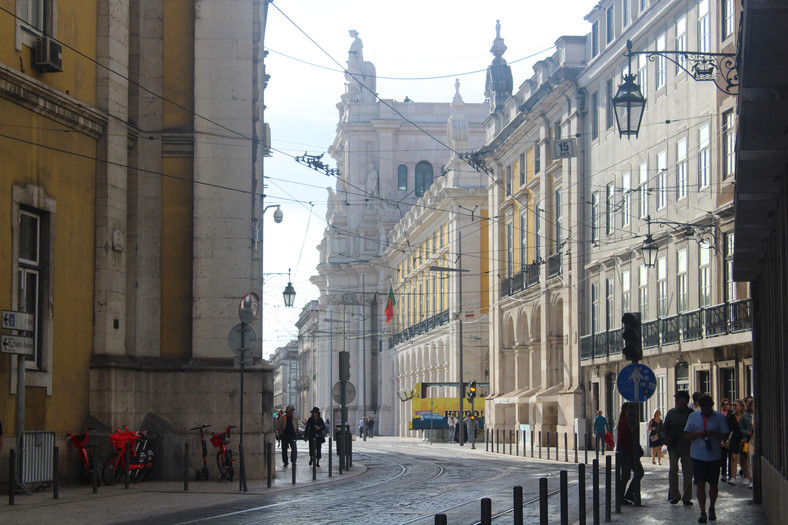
390	306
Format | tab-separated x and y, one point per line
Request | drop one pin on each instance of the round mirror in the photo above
247	310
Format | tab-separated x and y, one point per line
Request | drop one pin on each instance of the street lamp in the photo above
629	102
649	248
289	293
704	235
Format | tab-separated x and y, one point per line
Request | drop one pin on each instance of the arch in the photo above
423	177
508	332
522	334
536	324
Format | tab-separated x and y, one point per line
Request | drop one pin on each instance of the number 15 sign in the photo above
564	148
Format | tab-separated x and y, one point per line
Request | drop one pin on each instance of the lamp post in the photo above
458	269
258	237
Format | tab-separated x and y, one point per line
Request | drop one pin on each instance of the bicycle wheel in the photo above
108	473
230	465
221	463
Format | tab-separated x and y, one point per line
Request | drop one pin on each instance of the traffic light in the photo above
344	366
472	389
633	339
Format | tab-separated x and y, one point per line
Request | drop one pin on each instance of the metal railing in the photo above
422	327
713	321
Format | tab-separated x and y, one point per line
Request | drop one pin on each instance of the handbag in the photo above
745	447
655	437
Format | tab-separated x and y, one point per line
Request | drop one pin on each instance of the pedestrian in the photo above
370	427
361	426
725	409
287	429
694	404
740	425
630	455
654	440
706	429
276	431
678	449
470	423
600	427
452	428
315	430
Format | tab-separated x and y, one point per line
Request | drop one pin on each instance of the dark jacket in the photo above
311	432
672	432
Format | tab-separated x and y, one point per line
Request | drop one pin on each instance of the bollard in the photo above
566	449
486	511
517	443
440	519
518	505
497	442
585	450
186	466
540	445
269	454
127	465
330	457
581	492
543	501
93	467
510	442
486	439
293	473
242	485
55	472
340	451
11	476
595	490
556	445
548	444
608	487
619	490
532	444
313	447
564	498
349	454
575	447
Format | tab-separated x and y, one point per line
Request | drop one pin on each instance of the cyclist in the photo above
315	434
287	429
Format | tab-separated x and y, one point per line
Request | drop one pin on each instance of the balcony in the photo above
419	328
554	266
529	276
707	322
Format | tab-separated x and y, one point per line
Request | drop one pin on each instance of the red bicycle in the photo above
86	462
224	458
202	473
141	458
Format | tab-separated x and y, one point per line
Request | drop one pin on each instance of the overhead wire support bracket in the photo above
476	160
315	162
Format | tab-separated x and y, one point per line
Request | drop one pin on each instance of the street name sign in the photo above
15	344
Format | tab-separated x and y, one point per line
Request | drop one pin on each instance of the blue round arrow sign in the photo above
636	382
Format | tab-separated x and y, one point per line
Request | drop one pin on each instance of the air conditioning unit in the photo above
49	54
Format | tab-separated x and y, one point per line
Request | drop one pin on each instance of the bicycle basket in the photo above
119	439
218	439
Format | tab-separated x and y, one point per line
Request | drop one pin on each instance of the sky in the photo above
418	48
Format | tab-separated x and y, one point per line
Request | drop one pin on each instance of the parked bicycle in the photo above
202	473
224	458
86	459
141	458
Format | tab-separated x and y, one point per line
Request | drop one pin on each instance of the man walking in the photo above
600	427
705	429
287	429
678	448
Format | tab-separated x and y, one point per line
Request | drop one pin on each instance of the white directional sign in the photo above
17	321
15	344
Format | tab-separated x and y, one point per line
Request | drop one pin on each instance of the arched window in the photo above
402	177
423	177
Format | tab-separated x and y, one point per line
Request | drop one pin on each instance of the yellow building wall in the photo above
484	263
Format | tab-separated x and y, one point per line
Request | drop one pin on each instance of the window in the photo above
595	308
523	240
682	376
625	15
610	114
559	220
643	201
423	177
681	280
643	4
643	74
703	381
728	144
643	292
681	42
402	177
659	63
509	248
537	234
625	290
557	130
522	169
537	159
681	169
704	274
662	182
609	210
37	14
594	38
610	32
609	323
728	382
730	285
626	191
728	18
33	252
509	180
595	115
595	217
704	156
662	287
435	294
704	38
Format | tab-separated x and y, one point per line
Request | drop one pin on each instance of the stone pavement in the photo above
115	504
